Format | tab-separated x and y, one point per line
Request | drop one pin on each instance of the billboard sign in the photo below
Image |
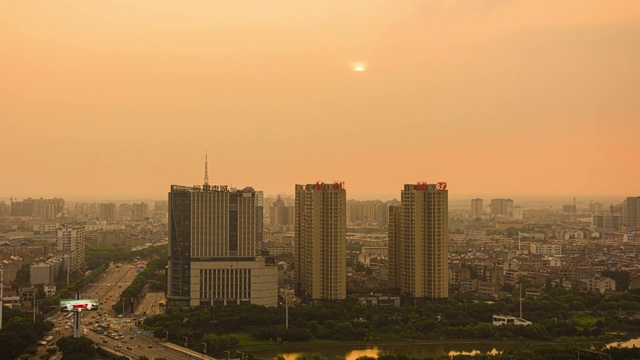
79	305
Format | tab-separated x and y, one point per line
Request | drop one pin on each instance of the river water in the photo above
352	351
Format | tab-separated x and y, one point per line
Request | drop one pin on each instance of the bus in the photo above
46	341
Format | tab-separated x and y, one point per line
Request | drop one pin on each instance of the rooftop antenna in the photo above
206	171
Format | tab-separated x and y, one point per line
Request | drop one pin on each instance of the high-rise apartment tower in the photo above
631	212
477	208
71	242
423	244
321	244
501	206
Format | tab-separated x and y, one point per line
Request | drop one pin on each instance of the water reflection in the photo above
374	352
626	344
493	351
353	355
292	356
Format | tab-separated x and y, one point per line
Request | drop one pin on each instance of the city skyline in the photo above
514	98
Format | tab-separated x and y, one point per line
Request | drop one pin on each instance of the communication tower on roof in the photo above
206	172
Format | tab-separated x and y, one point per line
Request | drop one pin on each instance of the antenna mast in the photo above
206	172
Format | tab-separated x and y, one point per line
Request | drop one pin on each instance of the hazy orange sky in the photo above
121	98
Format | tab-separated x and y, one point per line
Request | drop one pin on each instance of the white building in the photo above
601	284
499	320
546	249
70	241
44	227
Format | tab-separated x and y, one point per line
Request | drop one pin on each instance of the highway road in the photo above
128	342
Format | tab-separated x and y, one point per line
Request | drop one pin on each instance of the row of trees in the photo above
462	317
152	276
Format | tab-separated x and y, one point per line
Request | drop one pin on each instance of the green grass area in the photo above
586	320
248	340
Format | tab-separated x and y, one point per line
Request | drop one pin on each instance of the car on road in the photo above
150	346
129	348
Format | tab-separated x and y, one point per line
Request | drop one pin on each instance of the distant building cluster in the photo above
49	238
234	246
47	209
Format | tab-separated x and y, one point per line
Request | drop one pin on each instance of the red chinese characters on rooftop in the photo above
338	185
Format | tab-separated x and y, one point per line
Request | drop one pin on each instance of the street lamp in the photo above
241	357
228	354
166	338
287	295
186	341
204	349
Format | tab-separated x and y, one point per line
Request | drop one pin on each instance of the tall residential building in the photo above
5	210
515	213
477	208
86	209
259	220
140	211
212	248
71	241
395	254
107	211
424	243
631	211
321	241
125	212
280	213
501	206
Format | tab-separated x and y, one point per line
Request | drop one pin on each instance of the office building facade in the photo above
213	246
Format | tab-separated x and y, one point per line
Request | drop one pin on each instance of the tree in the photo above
76	348
23	277
11	344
